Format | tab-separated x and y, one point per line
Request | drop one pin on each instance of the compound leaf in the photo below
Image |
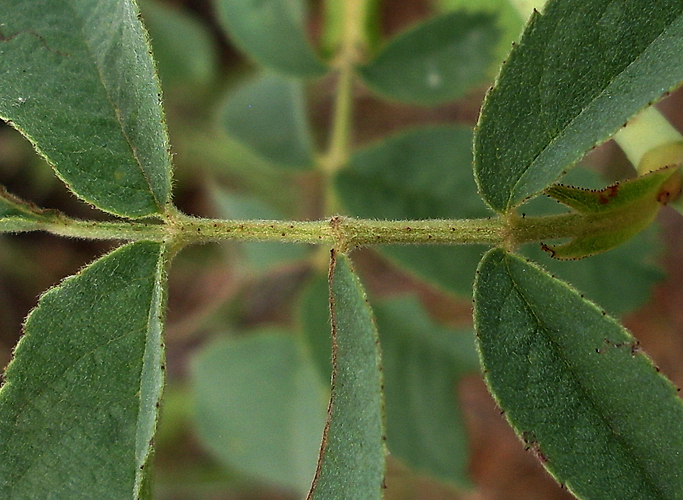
260	407
575	385
583	67
352	456
78	408
77	79
272	32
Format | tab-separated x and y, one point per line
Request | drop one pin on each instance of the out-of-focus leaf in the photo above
183	47
422	174
422	363
78	408
273	33
352	457
507	18
261	256
575	386
437	61
583	68
78	81
268	115
260	407
314	318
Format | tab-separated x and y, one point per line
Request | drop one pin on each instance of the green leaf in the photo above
18	215
620	280
437	61
575	385
260	407
352	456
78	81
507	19
314	319
584	68
78	408
422	362
421	174
183	47
628	206
268	115
273	33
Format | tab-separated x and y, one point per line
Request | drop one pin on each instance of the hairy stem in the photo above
343	233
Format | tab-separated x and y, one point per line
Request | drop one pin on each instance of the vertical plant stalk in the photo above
349	55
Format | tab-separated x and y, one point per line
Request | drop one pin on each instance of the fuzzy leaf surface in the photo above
78	408
77	79
421	363
260	407
437	61
575	385
584	68
420	174
273	33
352	456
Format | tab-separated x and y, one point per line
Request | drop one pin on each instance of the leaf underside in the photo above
352	456
585	68
78	81
78	408
575	385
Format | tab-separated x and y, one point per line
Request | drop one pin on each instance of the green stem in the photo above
341	232
349	55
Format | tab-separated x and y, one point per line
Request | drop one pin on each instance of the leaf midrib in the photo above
114	108
587	107
618	438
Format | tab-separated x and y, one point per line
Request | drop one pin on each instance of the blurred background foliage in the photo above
248	330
